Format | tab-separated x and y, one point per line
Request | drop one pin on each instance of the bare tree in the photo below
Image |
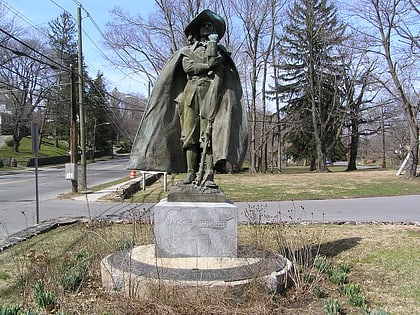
26	80
127	110
394	36
360	92
259	31
144	45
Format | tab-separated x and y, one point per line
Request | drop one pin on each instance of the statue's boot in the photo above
208	180
192	164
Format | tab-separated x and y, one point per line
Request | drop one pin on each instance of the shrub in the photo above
10	310
123	244
345	268
338	275
358	299
349	289
44	299
73	271
333	307
322	264
308	278
319	293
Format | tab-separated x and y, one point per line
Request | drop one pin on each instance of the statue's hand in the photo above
215	62
213	37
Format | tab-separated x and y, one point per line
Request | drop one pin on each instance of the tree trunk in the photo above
16	138
16	143
411	168
321	164
354	144
312	165
321	156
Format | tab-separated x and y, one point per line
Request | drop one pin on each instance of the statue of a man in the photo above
194	121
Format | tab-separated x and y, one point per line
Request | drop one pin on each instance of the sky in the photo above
38	13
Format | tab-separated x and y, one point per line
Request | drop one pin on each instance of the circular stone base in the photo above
132	271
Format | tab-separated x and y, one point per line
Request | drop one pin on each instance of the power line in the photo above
105	39
34	50
20	53
23	54
96	45
62	8
21	16
100	51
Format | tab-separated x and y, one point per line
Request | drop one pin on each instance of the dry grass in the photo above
299	185
384	259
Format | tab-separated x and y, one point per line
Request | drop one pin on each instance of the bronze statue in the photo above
194	121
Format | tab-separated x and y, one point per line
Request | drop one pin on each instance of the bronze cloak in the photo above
157	145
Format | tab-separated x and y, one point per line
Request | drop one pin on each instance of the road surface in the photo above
18	210
18	193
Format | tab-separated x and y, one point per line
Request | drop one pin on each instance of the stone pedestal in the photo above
195	229
136	272
195	246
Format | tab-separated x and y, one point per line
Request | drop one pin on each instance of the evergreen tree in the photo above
63	43
309	79
98	115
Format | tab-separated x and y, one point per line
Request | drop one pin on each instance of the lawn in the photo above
381	260
378	264
297	183
47	148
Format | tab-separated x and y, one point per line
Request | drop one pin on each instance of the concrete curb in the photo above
129	188
118	192
34	230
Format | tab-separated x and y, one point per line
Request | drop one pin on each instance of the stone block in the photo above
195	229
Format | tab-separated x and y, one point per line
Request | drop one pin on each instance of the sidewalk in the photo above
20	223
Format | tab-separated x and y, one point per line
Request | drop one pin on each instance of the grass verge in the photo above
47	148
383	260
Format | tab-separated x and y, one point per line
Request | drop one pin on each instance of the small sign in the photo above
34	137
71	171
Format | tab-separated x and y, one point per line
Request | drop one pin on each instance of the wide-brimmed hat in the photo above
206	16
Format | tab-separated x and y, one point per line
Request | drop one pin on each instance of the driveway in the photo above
3	140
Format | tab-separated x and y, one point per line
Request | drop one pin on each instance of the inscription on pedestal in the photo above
187	229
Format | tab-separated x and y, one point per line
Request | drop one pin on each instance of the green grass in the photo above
4	275
25	150
387	267
298	183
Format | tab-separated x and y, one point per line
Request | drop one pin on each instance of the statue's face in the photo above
207	28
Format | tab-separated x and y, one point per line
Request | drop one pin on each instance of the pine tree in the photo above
63	43
99	117
310	77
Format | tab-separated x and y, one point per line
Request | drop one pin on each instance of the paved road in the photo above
18	193
382	209
386	209
18	215
18	186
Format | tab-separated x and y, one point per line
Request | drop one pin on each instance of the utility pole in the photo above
81	105
73	129
34	137
383	137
